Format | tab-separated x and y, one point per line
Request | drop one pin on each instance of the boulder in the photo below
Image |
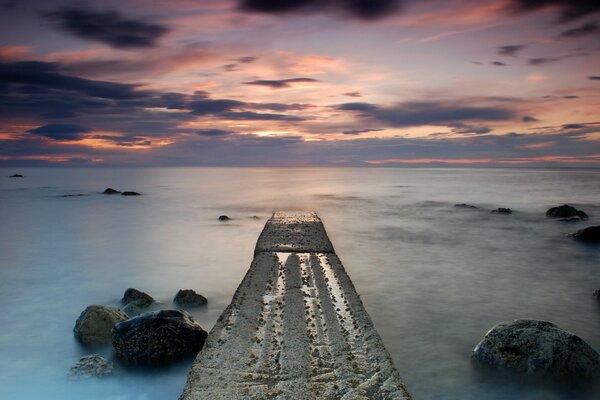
502	211
538	349
157	338
463	205
224	218
94	325
130	194
189	298
590	234
133	295
565	211
16	176
93	366
110	191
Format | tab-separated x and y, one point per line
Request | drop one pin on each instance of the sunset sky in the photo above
299	83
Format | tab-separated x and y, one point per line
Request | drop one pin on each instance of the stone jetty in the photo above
295	328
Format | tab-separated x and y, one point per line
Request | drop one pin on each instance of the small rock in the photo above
255	217
134	295
73	195
90	367
597	293
94	325
16	176
590	234
537	348
224	218
110	191
502	211
189	298
463	205
130	194
157	338
566	211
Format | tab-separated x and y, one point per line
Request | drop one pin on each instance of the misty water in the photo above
433	277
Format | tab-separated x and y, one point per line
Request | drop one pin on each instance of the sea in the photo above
433	277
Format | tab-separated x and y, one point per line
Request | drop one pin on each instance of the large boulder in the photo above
565	211
94	325
157	338
589	234
93	366
537	348
133	295
189	298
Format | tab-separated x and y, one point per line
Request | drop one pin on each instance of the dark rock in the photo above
110	191
224	218
157	338
255	217
565	211
502	211
597	293
130	194
463	205
133	295
94	325
590	234
16	176
189	298
73	195
93	366
538	349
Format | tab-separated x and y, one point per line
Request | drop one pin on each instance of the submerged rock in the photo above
189	298
72	195
93	366
130	194
597	293
224	218
157	338
565	211
502	211
16	176
464	205
133	295
590	234
110	191
94	325
537	348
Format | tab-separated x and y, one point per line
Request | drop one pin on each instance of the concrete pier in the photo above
295	328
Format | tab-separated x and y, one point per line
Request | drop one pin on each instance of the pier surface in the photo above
295	328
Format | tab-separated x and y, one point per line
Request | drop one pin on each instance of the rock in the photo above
565	211
502	211
590	234
110	191
134	295
94	325
463	205
90	367
189	298
256	217
224	218
597	293
72	195
16	176
157	338
130	194
538	349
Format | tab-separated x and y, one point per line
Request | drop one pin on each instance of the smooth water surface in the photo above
433	277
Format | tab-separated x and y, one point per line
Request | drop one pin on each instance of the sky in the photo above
300	83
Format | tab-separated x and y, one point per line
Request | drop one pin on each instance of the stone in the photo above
590	234
157	338
130	194
597	293
224	218
537	349
16	176
133	295
502	211
463	205
94	325
565	211
189	298
92	366
110	191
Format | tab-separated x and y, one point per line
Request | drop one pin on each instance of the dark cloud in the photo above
594	78
362	9
583	30
353	94
210	106
61	131
280	84
511	50
213	132
499	64
570	97
427	113
529	118
59	114
573	126
359	131
468	129
253	116
109	27
569	9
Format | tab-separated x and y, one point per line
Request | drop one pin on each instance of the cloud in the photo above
213	132
511	50
583	30
210	106
594	78
362	9
253	116
61	131
109	27
546	60
529	118
468	129
569	9
359	131
280	84
499	64
353	94
427	113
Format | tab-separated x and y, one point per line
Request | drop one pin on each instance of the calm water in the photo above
433	277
